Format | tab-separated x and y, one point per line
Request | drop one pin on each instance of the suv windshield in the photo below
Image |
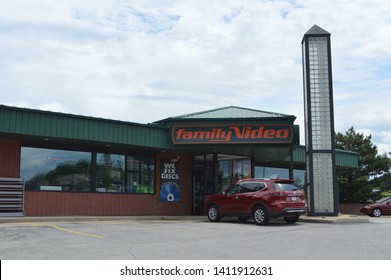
285	187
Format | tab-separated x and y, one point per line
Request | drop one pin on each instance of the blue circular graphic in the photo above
170	192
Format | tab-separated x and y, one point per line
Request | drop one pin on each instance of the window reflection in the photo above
60	170
110	173
274	172
231	169
45	169
140	174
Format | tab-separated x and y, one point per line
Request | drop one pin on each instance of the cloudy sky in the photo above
145	60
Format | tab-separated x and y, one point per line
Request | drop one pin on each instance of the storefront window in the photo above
271	172
55	170
110	173
230	170
140	173
274	172
60	170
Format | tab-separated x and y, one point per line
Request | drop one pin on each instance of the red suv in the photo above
260	199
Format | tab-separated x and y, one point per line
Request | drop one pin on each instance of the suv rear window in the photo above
285	187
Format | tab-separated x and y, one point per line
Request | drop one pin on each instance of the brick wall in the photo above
9	158
44	203
350	208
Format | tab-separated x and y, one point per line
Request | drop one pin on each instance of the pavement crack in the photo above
131	253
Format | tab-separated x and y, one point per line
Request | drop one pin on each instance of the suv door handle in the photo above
236	197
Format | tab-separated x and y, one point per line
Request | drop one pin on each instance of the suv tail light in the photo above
276	194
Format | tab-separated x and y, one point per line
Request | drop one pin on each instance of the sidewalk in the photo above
25	219
343	218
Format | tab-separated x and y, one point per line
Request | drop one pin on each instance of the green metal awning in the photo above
46	128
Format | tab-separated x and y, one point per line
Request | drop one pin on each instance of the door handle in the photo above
236	197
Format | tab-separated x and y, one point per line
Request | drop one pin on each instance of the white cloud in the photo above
384	142
381	138
147	60
53	106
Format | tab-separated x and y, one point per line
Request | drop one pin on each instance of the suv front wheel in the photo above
261	217
214	213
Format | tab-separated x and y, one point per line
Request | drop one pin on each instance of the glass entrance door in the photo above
213	173
203	180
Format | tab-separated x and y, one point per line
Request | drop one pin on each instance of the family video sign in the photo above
232	134
169	176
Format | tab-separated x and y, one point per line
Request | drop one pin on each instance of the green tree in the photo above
358	185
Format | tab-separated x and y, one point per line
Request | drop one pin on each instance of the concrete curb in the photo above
95	218
30	219
343	218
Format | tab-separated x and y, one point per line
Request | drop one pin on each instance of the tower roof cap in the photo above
317	30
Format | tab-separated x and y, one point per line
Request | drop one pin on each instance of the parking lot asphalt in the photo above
193	237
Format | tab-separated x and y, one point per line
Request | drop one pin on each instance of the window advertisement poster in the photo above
170	190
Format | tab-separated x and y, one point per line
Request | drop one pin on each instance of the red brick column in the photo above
9	158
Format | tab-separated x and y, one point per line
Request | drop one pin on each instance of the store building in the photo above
77	165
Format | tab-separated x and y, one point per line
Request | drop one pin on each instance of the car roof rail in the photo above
255	179
266	179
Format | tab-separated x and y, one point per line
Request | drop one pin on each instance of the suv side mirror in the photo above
223	192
